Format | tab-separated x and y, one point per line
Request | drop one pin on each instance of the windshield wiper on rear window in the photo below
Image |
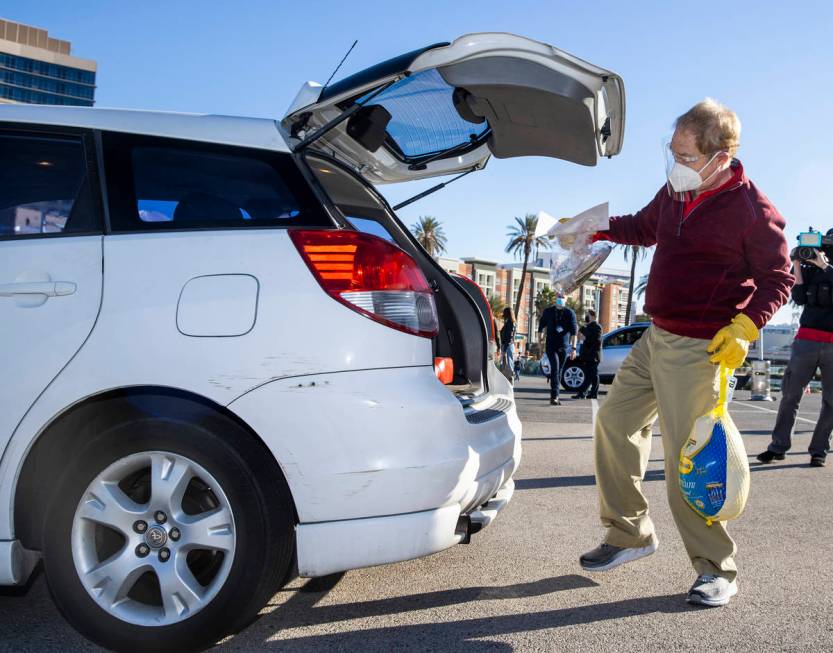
422	164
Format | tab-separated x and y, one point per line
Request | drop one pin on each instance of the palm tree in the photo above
635	252
429	232
577	306
497	304
546	297
642	286
521	241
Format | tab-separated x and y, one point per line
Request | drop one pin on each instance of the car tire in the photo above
574	378
234	486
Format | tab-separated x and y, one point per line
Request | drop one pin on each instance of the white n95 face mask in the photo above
683	179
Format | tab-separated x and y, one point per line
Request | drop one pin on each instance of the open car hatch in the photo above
447	108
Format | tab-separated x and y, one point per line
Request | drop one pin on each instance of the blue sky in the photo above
770	61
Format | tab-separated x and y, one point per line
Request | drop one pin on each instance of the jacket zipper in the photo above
684	217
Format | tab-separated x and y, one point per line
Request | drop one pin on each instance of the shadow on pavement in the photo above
561	437
650	475
769	431
302	609
574	481
532	391
789	453
458	635
761	467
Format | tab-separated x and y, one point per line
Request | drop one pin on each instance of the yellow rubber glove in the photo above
731	344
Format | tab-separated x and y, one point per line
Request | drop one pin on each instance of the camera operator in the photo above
811	349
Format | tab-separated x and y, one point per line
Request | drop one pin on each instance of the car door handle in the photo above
47	288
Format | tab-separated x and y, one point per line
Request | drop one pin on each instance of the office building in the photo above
606	291
38	69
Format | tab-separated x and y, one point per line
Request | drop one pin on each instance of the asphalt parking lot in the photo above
518	586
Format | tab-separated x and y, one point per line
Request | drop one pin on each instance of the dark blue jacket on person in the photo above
560	323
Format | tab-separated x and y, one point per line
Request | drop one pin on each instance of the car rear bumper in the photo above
382	540
382	463
384	442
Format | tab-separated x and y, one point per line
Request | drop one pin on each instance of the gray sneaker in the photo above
607	556
712	591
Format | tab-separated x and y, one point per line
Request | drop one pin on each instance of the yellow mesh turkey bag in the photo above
714	470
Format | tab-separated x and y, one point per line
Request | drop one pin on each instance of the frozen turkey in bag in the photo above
714	470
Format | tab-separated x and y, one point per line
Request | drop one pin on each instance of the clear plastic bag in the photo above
571	268
545	365
574	257
714	469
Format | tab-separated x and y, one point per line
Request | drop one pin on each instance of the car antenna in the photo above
344	115
355	43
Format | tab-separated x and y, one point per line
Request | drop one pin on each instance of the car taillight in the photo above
371	276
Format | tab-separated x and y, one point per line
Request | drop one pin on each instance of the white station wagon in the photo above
225	360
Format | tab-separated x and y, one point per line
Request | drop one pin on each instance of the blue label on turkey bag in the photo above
714	471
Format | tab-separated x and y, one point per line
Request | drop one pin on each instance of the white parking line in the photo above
769	410
595	407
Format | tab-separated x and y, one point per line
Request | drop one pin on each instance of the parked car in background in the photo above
220	345
616	345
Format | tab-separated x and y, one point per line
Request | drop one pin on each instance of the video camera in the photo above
810	242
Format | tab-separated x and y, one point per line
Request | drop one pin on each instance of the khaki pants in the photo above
669	376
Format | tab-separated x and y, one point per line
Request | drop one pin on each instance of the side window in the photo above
634	335
626	337
615	339
169	184
356	203
44	187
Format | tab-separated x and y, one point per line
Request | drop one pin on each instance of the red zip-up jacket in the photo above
725	255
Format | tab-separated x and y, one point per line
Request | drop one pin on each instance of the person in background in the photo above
507	344
811	349
518	366
559	324
591	354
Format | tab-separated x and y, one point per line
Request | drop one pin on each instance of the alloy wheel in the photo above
574	377
153	538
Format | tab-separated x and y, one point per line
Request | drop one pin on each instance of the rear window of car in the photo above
163	184
424	120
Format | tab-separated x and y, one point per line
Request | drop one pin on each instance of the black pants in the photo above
557	358
591	369
807	355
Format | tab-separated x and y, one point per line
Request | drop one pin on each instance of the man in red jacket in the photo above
720	270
